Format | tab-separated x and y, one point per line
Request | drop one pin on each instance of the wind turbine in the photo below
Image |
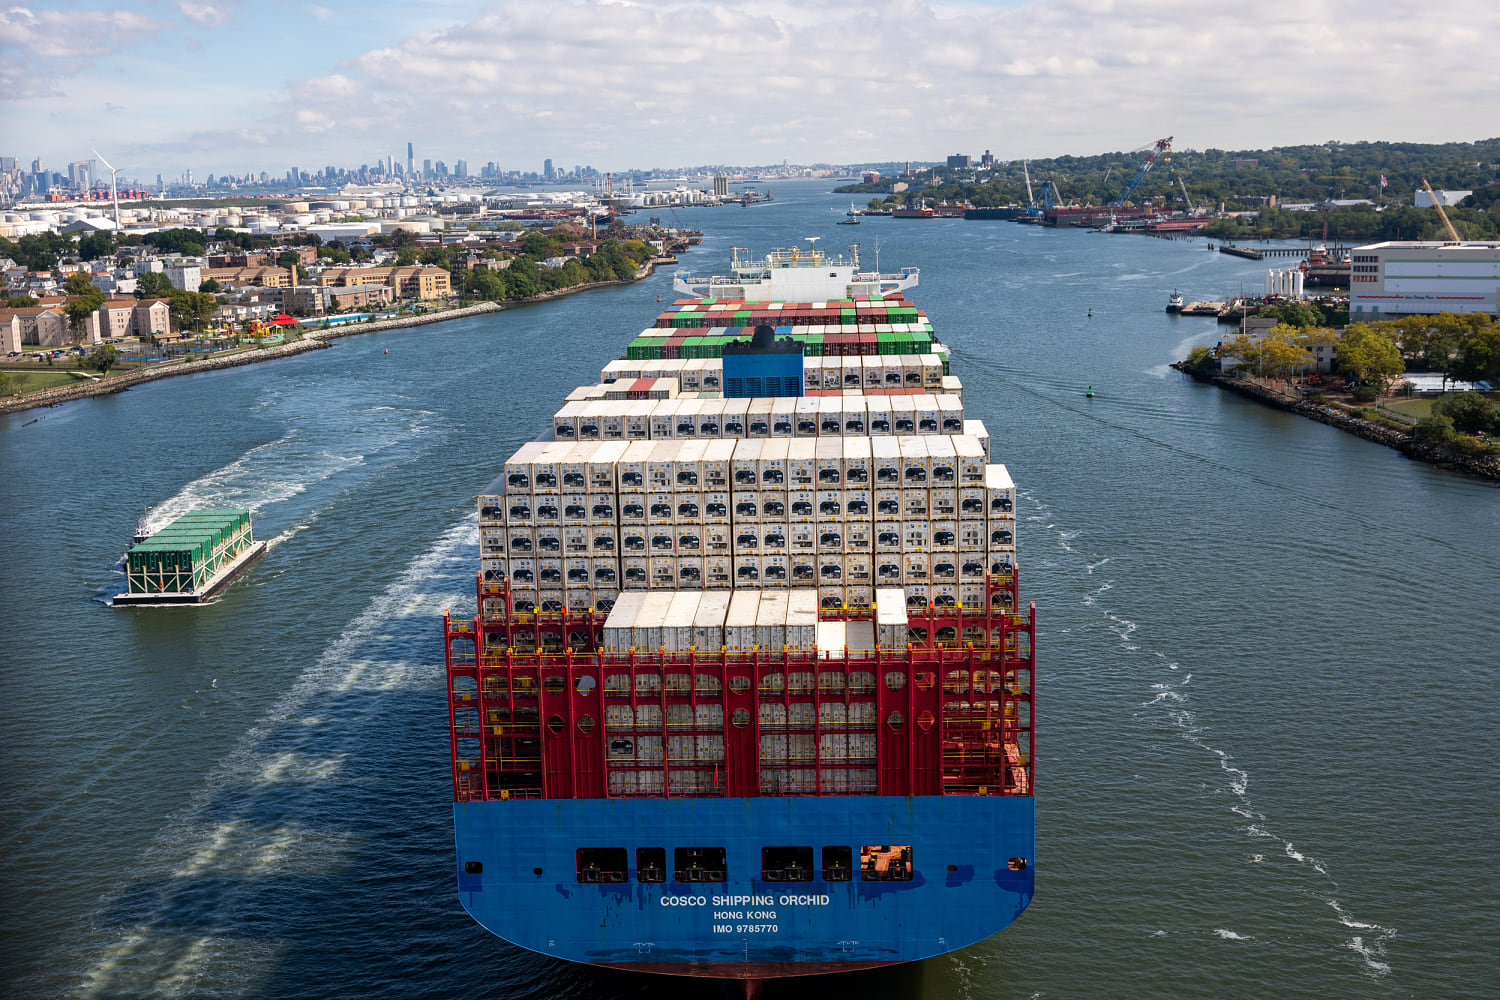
114	192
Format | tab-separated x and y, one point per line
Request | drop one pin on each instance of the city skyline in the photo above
839	82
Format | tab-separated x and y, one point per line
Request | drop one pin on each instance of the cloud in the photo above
209	15
666	82
38	48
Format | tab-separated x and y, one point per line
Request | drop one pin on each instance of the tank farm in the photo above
749	689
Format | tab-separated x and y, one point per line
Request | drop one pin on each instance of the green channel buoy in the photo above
1090	393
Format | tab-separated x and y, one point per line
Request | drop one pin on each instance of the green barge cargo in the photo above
191	559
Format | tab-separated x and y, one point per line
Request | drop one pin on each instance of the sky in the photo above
223	86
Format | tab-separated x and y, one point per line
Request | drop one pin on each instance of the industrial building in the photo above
1399	278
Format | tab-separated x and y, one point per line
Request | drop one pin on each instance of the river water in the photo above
1266	689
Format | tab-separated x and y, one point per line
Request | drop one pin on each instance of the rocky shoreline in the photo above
1443	456
312	340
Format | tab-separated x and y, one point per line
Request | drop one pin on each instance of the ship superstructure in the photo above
749	689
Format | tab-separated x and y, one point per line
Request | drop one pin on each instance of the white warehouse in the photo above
1400	278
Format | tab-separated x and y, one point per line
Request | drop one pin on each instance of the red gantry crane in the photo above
1161	150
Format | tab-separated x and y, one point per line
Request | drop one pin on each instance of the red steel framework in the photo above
536	712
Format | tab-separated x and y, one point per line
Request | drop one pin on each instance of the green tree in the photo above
96	245
1479	356
1369	355
1469	412
81	306
406	256
22	301
210	286
288	259
153	285
78	283
102	359
6	385
1435	428
1298	315
188	242
192	308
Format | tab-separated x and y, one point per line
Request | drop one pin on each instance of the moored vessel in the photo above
749	689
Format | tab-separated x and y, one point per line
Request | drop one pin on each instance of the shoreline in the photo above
312	340
1444	457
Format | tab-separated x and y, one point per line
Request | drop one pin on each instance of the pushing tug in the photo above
749	690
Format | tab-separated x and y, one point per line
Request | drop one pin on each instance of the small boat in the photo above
1174	303
851	221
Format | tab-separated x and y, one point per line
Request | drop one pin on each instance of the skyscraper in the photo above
547	169
410	162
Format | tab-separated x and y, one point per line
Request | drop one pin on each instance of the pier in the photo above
1251	253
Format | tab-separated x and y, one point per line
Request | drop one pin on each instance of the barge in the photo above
190	560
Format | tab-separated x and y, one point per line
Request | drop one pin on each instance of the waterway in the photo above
1266	695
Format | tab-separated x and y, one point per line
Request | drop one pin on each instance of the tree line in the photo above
1242	180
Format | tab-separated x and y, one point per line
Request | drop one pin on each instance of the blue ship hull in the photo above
963	887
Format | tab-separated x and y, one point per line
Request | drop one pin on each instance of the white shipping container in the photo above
878	414
717	459
746	570
858	596
758	418
677	626
745	465
855	416
944	567
734	412
885	457
943	502
932	371
773	570
708	620
740	619
717	572
770	620
916	462
604	572
976	429
663	416
858	537
633	540
830	415
783	416
856	460
635	572
618	626
802	618
773	463
631	470
637	419
915	503
802	569
805	420
801	467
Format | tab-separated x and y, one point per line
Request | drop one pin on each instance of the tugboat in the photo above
1174	302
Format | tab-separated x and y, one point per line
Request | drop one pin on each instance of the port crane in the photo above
1452	233
1161	151
1192	209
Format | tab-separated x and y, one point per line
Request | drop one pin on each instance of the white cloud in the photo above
660	82
36	48
209	15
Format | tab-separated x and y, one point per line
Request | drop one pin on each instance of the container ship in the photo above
190	560
749	689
